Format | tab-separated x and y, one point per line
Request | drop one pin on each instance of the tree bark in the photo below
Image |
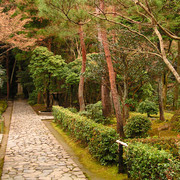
7	74
165	83
83	68
114	91
105	92
160	94
105	97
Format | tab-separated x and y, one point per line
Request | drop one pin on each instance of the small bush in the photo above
146	162
148	107
72	109
137	126
100	140
3	106
175	121
94	112
33	98
170	145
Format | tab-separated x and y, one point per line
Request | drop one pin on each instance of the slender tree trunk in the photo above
160	93
114	91
176	89
49	46
39	98
164	94
81	82
7	74
105	91
105	97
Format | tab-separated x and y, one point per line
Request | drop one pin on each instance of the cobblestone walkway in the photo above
33	152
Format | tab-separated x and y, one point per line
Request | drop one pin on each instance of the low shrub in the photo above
175	121
170	145
94	112
148	107
100	140
3	106
137	126
147	162
72	109
33	98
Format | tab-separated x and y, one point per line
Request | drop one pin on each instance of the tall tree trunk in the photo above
39	98
105	97
49	46
114	91
83	68
165	83
176	88
105	91
7	74
160	94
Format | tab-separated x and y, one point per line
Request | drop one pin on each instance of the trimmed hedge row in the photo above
171	145
99	139
3	106
147	162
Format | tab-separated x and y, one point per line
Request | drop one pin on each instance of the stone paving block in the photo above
33	152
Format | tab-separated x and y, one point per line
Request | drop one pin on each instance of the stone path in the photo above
33	152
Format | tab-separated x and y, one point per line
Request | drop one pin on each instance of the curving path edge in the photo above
32	151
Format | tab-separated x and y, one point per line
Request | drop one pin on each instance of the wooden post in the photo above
121	168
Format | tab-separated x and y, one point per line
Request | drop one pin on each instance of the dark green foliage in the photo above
132	104
147	162
3	106
175	121
137	126
33	98
171	145
44	66
100	140
94	112
148	107
2	76
72	109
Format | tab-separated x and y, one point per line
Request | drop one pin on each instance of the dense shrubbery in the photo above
148	107
99	139
147	162
137	126
33	98
175	121
72	109
94	112
171	145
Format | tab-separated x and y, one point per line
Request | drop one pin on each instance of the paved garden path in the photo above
33	152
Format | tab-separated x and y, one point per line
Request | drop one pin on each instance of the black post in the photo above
121	164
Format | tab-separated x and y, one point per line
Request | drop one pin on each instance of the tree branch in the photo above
169	65
167	32
127	27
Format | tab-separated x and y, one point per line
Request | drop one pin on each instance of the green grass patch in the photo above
105	172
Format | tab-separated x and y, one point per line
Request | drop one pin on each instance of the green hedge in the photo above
3	106
99	139
171	145
147	162
137	126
